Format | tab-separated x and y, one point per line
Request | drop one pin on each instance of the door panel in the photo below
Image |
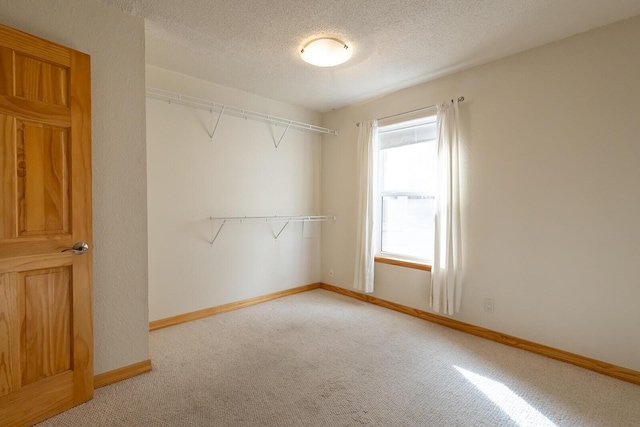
8	226
43	178
46	336
40	81
10	318
46	350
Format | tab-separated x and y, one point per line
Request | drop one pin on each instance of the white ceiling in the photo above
254	45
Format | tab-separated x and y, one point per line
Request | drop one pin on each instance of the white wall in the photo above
115	42
551	206
240	173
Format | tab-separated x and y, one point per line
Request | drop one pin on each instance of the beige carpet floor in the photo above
321	359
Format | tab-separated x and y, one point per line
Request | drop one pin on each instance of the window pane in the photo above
406	133
409	168
408	226
407	175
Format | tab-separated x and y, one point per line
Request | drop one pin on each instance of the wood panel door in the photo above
46	330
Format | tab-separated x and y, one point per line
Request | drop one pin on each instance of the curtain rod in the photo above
460	99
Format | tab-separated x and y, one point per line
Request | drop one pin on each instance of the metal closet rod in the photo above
204	104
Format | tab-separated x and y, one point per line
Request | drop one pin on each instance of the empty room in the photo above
319	213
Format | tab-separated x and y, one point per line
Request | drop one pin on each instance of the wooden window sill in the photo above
402	263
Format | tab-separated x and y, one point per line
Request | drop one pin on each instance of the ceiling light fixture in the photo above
325	52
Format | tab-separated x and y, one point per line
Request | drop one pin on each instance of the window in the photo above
406	189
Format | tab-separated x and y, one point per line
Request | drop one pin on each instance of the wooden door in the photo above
46	330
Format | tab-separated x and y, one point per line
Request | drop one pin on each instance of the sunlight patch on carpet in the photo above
512	404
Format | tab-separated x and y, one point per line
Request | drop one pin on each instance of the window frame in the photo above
385	257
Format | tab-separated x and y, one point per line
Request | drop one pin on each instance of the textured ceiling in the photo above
254	45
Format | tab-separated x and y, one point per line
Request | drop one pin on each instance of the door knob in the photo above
79	248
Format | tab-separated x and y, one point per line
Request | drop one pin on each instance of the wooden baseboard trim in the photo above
608	369
120	374
194	315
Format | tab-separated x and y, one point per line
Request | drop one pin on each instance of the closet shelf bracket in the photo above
213	132
221	221
283	134
214	237
281	230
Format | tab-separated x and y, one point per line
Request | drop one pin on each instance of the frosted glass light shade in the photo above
325	52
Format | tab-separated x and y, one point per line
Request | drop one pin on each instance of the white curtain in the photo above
446	273
367	180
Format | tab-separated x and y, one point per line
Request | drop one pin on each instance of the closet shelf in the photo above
223	109
286	219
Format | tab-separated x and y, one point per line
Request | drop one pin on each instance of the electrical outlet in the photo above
489	305
331	272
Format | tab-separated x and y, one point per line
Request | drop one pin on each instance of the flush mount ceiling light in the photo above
325	52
